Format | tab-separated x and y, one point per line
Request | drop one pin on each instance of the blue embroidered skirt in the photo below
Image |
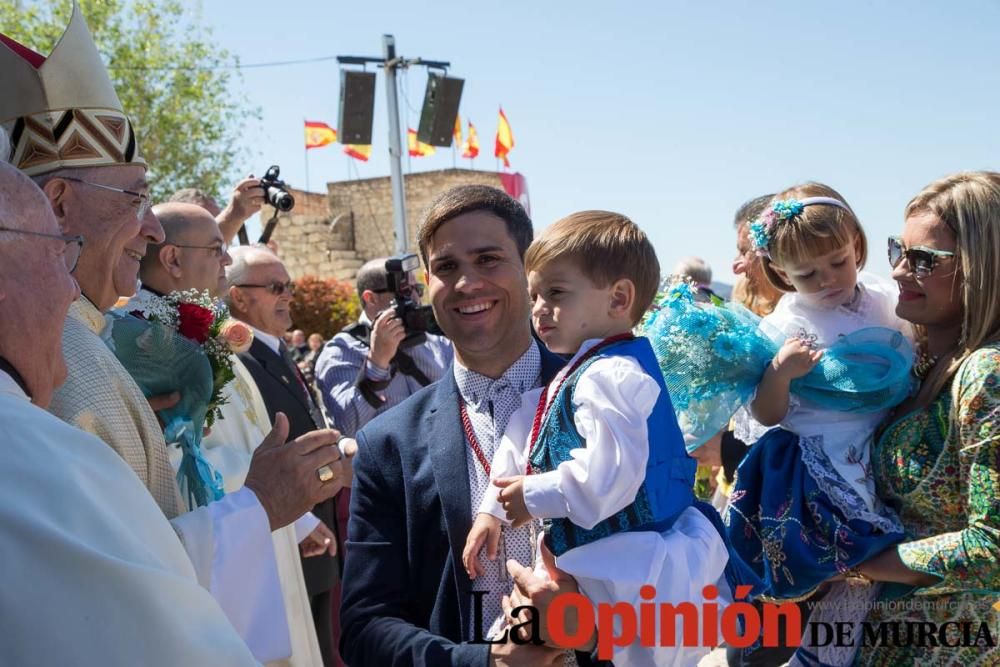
797	526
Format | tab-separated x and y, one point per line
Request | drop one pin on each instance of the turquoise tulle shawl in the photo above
714	356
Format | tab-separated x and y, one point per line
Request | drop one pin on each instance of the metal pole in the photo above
307	164
395	146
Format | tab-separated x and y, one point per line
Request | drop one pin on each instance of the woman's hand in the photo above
888	566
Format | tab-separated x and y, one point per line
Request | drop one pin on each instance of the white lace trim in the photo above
840	492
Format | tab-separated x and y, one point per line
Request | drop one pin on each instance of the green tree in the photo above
171	77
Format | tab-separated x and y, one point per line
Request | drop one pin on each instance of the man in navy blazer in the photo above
407	599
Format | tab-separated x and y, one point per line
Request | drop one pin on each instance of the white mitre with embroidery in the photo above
62	111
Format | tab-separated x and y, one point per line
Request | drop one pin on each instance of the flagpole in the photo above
306	159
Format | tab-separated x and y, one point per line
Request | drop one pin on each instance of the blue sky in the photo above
670	112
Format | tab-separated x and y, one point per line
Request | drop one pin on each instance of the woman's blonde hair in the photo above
969	204
819	229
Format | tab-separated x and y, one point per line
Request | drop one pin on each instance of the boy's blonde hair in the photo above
819	229
969	204
606	247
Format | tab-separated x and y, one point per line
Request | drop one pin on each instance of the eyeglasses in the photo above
144	204
275	288
922	260
218	250
74	244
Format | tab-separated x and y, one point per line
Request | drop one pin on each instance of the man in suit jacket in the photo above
420	469
260	292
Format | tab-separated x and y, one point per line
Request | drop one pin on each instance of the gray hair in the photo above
21	201
372	276
244	258
694	268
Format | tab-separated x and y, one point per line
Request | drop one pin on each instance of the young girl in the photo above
804	508
598	455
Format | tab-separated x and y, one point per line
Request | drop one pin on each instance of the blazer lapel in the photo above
276	367
446	448
551	364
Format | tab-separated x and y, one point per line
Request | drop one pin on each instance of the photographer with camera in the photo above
388	353
248	196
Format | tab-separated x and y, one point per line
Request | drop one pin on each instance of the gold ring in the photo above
325	473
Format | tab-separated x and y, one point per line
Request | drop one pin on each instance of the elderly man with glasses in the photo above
260	294
70	134
194	256
93	572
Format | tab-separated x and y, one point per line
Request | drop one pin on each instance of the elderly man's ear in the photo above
55	191
237	298
169	259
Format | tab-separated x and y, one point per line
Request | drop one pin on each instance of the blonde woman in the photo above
938	460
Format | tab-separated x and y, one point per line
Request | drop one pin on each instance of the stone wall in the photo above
331	236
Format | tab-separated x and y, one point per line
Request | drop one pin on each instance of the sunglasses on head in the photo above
276	288
921	259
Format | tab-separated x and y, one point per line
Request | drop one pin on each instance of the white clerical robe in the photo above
229	448
92	573
229	541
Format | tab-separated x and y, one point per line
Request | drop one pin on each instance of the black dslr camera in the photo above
276	195
275	192
417	319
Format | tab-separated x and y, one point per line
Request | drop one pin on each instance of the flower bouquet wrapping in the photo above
714	356
183	342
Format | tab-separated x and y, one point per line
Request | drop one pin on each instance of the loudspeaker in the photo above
437	118
357	107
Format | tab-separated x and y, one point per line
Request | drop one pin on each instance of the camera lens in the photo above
280	199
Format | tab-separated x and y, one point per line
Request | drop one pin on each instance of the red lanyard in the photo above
543	401
470	435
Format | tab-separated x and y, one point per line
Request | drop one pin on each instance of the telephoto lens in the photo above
275	193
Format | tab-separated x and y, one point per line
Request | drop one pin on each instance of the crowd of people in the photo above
386	498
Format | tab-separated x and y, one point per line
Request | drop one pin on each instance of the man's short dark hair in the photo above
469	198
372	276
751	209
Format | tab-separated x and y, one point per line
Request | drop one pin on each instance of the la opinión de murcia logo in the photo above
739	624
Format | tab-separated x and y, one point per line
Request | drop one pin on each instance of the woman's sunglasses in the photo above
921	259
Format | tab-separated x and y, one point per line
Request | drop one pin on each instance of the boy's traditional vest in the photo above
669	485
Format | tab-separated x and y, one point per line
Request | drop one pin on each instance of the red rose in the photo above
194	321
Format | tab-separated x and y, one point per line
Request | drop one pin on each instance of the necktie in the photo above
314	413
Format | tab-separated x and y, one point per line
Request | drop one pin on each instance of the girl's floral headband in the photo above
762	227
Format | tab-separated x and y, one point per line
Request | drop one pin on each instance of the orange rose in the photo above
237	335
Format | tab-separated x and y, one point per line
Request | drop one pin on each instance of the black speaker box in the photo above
437	118
357	106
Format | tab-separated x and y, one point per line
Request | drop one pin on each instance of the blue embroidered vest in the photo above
669	485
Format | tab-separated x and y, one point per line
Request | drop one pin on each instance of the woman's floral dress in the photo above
944	480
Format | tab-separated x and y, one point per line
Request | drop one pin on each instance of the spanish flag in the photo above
319	134
457	132
418	148
505	139
358	151
470	148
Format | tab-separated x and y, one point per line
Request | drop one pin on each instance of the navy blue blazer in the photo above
406	596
